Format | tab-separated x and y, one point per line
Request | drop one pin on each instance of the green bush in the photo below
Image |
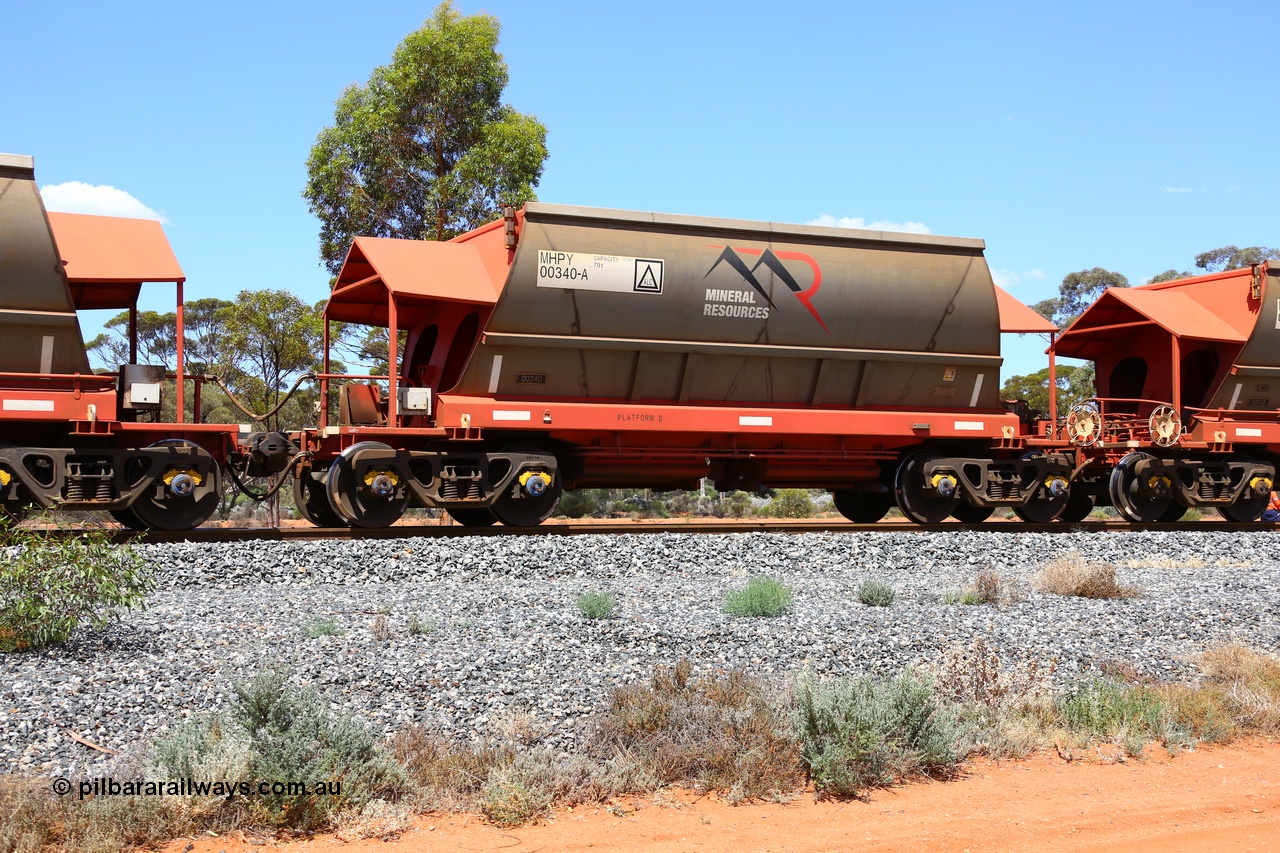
762	596
276	733
735	504
1108	710
322	626
597	605
51	586
581	503
875	593
418	626
790	503
860	733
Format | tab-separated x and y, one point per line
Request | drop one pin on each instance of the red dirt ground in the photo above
1213	799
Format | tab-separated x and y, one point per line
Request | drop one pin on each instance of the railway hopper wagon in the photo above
1188	405
76	440
567	347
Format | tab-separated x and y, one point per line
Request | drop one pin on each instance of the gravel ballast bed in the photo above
503	635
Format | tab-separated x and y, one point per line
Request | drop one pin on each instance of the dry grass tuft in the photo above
381	629
721	733
1249	684
987	588
1070	574
377	819
31	820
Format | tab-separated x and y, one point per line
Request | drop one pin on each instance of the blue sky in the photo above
1125	135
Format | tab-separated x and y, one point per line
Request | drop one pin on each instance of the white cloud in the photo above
830	221
1176	190
1008	278
79	197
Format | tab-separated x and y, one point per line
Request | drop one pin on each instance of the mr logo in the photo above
772	260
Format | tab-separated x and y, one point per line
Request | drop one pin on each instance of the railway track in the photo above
710	526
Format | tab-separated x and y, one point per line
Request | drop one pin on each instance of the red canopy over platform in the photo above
413	272
1017	318
107	258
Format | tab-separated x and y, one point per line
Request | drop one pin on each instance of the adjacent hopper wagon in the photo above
76	440
1188	406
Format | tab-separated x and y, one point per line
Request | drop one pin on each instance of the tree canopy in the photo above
425	149
1076	293
1218	260
1075	383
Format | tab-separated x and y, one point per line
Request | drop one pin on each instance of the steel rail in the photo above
215	535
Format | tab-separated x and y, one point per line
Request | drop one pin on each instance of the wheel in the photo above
1044	506
1079	505
1138	501
12	512
861	507
1175	512
1246	510
368	497
312	501
525	504
1249	507
970	514
127	518
473	517
1165	426
181	503
918	500
1084	424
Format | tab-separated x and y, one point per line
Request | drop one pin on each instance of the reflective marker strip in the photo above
1256	433
753	420
973	426
500	415
493	374
977	389
1235	398
28	405
46	354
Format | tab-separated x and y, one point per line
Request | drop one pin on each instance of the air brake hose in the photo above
262	496
288	395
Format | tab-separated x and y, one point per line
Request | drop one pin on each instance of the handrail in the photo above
105	378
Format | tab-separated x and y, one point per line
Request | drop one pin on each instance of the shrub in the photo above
581	503
975	675
381	629
509	801
735	504
1071	575
790	503
597	605
1006	706
875	593
1108	710
278	733
961	596
762	596
49	587
419	626
712	733
987	588
860	733
322	626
